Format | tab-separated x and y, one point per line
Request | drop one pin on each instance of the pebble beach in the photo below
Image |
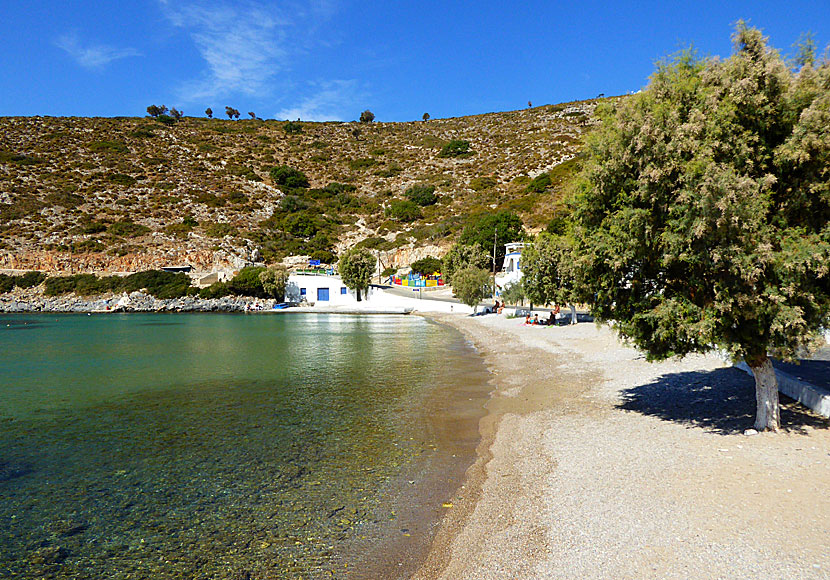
595	463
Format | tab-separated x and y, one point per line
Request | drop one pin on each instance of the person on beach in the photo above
527	319
551	319
535	319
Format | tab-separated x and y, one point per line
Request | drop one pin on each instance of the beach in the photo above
595	463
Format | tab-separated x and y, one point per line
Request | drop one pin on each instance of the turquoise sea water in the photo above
218	446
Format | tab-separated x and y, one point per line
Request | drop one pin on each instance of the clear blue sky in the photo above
331	59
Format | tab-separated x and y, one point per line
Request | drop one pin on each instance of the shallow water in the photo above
217	446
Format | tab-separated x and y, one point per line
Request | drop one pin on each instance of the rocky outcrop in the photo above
133	302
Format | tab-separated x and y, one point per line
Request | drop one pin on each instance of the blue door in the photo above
322	294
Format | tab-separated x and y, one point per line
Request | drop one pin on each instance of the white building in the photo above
511	271
319	289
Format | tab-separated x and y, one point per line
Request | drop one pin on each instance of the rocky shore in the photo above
34	301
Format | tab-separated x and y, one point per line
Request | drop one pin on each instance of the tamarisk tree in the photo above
702	212
356	267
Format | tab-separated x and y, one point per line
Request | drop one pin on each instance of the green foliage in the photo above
289	177
426	266
27	280
483	183
215	290
461	257
303	224
486	229
158	283
471	285
18	159
513	294
273	281
357	164
156	110
390	271
456	148
712	231
30	279
403	210
356	267
422	194
121	179
547	270
128	229
292	127
367	116
248	282
108	147
220	230
540	183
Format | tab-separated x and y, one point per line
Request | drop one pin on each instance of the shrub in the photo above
456	148
216	290
7	283
30	279
121	179
357	164
128	229
273	281
220	230
18	159
540	183
292	127
248	283
367	116
289	177
482	183
159	283
403	210
57	285
426	266
422	194
108	146
142	133
303	224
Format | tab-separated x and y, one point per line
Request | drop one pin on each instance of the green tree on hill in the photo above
487	230
702	213
367	116
209	113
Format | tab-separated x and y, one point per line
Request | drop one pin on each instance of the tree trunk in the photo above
573	314
358	294
767	414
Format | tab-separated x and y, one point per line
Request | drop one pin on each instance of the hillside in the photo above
127	194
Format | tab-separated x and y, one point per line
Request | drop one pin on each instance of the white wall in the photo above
312	283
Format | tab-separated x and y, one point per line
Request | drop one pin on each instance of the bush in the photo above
422	194
540	183
273	281
292	128
289	177
367	116
30	279
7	283
220	230
108	147
482	183
456	148
128	229
216	290
426	266
159	283
57	285
248	283
403	210
122	179
357	164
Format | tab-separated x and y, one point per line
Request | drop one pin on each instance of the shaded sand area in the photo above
597	464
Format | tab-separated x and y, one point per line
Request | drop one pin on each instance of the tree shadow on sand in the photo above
721	401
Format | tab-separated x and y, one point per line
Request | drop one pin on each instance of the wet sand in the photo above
594	463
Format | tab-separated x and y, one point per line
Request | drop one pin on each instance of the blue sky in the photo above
331	59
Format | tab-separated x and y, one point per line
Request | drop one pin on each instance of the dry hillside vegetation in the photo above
126	194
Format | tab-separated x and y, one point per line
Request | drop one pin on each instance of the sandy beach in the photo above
595	463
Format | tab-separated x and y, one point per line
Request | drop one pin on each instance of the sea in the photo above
229	446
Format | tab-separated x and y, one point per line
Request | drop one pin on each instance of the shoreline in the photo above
594	463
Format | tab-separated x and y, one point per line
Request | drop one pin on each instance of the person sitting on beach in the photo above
527	318
535	319
551	319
